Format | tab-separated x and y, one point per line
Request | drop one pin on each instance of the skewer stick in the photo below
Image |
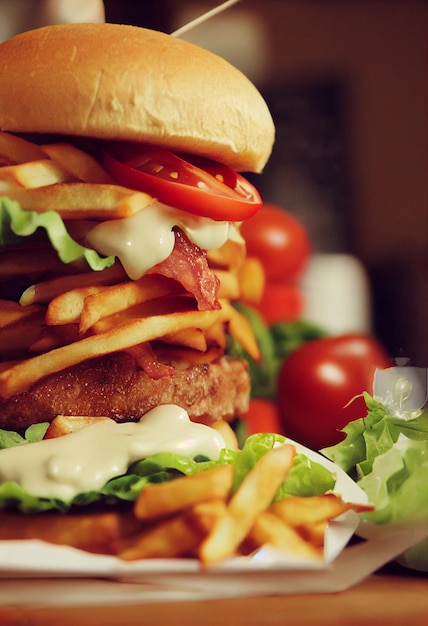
203	18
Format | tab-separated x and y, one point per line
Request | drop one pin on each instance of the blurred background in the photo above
347	85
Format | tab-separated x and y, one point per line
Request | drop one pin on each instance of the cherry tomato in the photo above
279	241
262	417
194	184
280	303
318	382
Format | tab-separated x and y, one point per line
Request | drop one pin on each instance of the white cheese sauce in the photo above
86	459
147	238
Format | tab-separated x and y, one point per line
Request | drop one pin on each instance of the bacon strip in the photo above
188	265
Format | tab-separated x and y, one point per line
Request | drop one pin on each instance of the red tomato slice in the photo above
193	184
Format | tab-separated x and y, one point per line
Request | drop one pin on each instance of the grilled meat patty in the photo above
115	386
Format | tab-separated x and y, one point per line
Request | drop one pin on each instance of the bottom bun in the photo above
115	386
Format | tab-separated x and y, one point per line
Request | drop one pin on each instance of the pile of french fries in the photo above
69	313
202	516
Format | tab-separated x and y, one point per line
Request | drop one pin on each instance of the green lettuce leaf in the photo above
15	223
306	478
388	457
35	432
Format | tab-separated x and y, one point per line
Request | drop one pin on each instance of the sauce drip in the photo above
86	459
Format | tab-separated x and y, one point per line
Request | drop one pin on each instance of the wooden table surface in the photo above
389	597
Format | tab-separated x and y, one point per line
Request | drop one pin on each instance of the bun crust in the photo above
120	82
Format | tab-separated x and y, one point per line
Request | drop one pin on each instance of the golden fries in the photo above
66	424
131	333
30	262
47	290
32	175
270	530
251	280
67	307
82	200
17	150
171	538
123	296
157	501
253	496
78	163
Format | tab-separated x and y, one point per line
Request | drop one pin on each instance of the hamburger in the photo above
121	256
134	100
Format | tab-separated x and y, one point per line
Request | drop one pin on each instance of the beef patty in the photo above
115	386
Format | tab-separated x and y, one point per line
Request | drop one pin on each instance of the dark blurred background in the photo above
347	84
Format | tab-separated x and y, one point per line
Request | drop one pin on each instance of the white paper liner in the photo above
65	576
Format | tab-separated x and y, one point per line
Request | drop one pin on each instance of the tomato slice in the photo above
194	184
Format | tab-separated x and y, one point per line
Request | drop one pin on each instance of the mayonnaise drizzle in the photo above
147	238
86	459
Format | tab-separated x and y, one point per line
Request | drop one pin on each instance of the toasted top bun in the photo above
120	82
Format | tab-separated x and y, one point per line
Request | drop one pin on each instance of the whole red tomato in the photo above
262	417
279	241
281	303
317	382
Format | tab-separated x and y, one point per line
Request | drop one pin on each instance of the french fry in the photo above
170	538
67	424
77	162
67	307
14	149
160	500
78	200
254	496
34	174
52	337
21	376
12	312
269	529
310	516
301	511
314	534
204	515
152	308
228	434
216	334
192	338
39	260
123	296
229	286
17	337
230	255
47	290
251	279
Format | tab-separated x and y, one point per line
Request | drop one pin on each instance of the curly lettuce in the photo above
388	457
16	223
